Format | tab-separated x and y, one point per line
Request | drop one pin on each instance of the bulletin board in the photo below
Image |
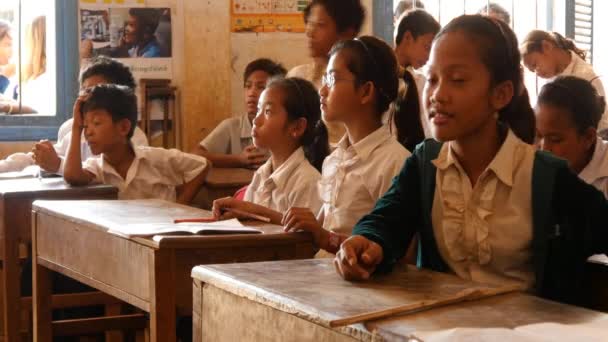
267	15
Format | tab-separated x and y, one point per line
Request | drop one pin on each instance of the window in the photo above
43	70
572	18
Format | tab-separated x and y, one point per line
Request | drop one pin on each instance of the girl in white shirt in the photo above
567	116
549	54
360	83
289	125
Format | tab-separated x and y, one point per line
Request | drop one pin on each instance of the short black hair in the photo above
418	23
577	97
347	14
500	11
406	5
112	70
119	101
147	17
266	65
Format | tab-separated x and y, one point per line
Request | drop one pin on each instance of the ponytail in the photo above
302	101
316	146
568	44
406	115
519	116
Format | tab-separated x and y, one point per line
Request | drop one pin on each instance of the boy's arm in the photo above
249	158
187	191
73	172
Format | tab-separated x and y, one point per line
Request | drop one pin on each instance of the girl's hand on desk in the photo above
220	206
302	219
357	258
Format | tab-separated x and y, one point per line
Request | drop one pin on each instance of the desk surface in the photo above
229	177
103	215
311	290
27	187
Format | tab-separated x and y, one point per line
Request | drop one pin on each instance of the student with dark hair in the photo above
549	54
328	22
405	6
567	115
413	38
360	84
51	157
494	10
139	37
487	206
107	114
289	125
230	143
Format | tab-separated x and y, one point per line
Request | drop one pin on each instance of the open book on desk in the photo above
211	228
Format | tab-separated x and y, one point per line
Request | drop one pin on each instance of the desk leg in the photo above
42	303
11	281
163	313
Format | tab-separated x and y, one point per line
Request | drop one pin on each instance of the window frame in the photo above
32	127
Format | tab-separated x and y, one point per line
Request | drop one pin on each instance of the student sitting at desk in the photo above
567	115
487	206
51	157
289	125
107	114
230	144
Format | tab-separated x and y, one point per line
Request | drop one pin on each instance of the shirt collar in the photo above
503	164
138	152
598	166
245	127
280	176
364	148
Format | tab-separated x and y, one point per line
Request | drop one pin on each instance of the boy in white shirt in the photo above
107	114
51	157
230	143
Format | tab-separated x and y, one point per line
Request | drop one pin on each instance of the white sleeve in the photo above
184	167
93	165
218	141
16	162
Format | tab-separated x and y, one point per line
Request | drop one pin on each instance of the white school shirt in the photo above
231	136
581	69
19	161
355	176
293	184
596	172
64	137
154	173
484	233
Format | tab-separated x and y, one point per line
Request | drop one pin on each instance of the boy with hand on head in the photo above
51	157
107	114
230	144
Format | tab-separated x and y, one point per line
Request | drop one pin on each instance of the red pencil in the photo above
196	220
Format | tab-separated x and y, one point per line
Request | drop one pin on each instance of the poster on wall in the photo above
267	15
138	36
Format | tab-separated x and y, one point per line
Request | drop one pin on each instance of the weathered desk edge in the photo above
256	294
94	189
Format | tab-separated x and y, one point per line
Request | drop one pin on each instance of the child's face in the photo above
101	133
132	30
6	49
341	99
414	51
457	93
556	133
254	85
321	32
270	126
541	63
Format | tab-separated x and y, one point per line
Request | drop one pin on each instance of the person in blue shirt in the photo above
139	34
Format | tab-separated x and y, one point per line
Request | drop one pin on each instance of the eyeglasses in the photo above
329	80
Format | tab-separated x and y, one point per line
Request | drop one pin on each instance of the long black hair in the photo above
372	60
302	101
499	52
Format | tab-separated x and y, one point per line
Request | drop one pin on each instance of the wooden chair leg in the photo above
114	310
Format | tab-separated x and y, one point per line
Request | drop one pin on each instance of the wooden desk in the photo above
16	197
151	274
294	301
222	182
